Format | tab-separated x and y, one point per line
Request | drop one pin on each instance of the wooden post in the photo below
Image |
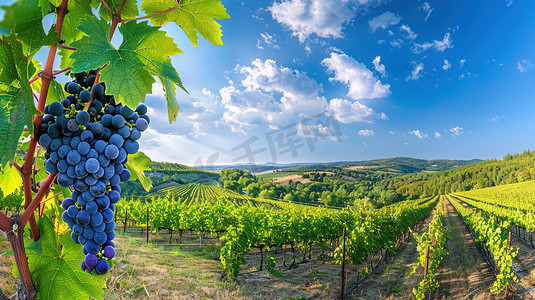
342	289
147	225
510	237
506	290
125	220
426	270
261	258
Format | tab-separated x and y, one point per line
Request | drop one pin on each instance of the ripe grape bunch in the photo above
88	149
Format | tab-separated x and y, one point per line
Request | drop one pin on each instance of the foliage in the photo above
56	270
495	236
128	72
435	239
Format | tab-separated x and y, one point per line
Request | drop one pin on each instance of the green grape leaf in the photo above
192	16
55	91
137	164
10	180
56	272
16	99
78	9
129	11
142	55
25	18
36	246
56	3
170	97
46	7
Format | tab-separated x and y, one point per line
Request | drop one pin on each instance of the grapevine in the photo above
495	235
435	238
79	140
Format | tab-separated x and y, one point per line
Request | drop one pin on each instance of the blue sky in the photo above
318	81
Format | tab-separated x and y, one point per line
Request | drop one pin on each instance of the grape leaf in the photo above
78	9
25	19
137	164
46	7
55	91
10	180
192	16
142	55
129	11
172	104
16	99
56	272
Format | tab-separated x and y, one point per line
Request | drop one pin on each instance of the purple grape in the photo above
109	252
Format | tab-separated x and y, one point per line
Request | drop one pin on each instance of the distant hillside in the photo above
403	165
512	168
251	168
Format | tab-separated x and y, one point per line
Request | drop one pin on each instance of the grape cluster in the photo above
88	149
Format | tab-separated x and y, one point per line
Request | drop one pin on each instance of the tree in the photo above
82	32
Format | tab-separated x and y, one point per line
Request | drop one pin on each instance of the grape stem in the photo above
152	15
67	47
14	227
106	6
53	74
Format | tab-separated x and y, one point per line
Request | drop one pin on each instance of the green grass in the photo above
274	175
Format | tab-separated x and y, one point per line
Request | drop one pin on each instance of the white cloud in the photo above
366	132
410	34
496	119
437	135
456	130
272	94
384	21
426	8
461	63
396	43
361	82
509	2
418	134
467	75
268	40
391	132
378	66
347	111
319	130
440	46
207	93
446	65
325	19
524	65
417	72
157	90
306	17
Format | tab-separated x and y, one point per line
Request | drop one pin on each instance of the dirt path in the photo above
464	273
524	266
396	278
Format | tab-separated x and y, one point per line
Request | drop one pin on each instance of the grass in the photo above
274	175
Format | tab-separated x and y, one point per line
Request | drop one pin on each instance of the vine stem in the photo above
67	47
106	6
46	78
43	190
152	15
14	228
53	74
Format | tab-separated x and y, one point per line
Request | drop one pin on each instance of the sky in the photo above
339	80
